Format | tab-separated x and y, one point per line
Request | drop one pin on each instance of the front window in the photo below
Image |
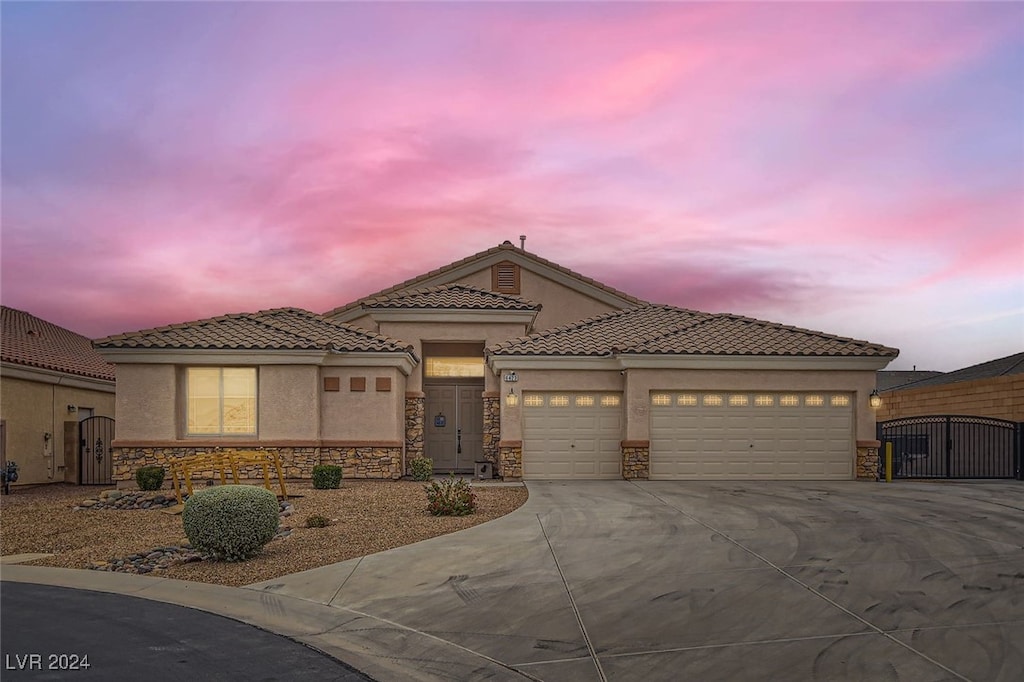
444	367
221	401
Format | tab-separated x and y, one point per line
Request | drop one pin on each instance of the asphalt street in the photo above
53	633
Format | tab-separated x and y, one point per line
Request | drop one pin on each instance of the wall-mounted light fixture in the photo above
875	400
72	408
511	399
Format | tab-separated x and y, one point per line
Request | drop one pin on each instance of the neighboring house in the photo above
508	358
990	389
890	379
50	380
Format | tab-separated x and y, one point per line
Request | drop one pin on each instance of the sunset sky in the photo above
855	168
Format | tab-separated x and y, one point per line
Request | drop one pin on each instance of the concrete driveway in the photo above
683	580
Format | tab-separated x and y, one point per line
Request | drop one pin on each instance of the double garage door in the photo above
730	435
693	434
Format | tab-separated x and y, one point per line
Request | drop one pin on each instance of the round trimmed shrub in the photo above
231	522
149	477
422	468
326	476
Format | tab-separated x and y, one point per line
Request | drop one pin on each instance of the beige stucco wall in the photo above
287	403
997	397
550	380
560	304
416	333
640	383
370	415
31	409
146	409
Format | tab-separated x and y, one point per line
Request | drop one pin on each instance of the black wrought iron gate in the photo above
951	446
94	437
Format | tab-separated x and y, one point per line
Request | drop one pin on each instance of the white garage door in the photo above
732	435
572	435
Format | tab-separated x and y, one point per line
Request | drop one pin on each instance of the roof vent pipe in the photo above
522	242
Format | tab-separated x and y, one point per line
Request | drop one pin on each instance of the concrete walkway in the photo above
666	580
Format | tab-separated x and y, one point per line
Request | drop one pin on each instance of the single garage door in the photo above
572	435
733	435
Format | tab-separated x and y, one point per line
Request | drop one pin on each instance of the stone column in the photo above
492	427
414	413
636	459
867	460
510	453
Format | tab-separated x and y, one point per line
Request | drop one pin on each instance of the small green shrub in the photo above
422	468
450	497
326	476
317	521
149	478
231	522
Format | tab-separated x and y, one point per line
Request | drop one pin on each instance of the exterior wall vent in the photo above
505	277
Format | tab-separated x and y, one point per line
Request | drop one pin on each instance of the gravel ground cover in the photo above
366	517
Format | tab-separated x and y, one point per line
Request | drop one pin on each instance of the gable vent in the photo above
505	277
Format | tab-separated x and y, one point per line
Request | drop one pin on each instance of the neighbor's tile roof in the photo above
458	296
506	247
278	329
34	342
666	330
1011	364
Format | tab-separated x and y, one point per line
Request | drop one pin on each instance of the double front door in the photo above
454	426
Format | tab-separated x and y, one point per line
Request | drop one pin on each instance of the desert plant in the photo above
149	477
317	521
450	497
326	476
422	468
231	522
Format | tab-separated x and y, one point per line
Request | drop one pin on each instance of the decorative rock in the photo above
134	499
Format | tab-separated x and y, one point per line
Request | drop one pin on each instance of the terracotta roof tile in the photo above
34	342
505	247
278	329
458	296
665	330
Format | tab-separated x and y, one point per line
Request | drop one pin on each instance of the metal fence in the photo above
952	446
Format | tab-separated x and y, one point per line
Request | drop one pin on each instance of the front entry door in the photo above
454	436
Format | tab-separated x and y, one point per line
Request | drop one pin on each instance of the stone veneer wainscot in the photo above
636	459
867	460
357	460
415	406
492	428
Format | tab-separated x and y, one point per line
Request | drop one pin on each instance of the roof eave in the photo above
756	362
44	375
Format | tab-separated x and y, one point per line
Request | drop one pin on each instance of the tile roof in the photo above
34	342
278	329
1011	364
506	247
888	379
666	330
459	296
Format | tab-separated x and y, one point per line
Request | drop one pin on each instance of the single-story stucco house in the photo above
507	358
51	382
